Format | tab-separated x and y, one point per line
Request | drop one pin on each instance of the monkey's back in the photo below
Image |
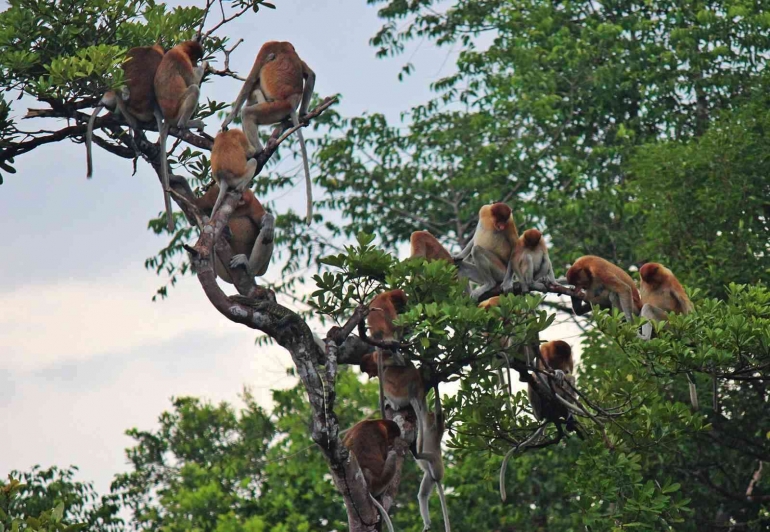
663	297
140	70
367	441
281	78
174	75
228	155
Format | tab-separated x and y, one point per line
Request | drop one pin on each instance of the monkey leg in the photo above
525	273
187	106
652	313
490	270
261	253
423	497
580	307
378	486
263	113
624	301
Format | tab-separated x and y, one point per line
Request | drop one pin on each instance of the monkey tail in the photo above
444	509
163	127
383	513
504	465
306	166
89	137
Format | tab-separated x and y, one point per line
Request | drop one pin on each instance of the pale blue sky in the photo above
85	353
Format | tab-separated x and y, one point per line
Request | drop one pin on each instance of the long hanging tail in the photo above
163	127
444	509
508	455
89	137
306	165
383	513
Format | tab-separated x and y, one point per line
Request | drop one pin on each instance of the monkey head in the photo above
532	238
193	50
501	213
650	272
579	276
558	355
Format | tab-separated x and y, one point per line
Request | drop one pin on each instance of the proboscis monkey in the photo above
231	163
136	101
177	91
486	259
251	233
430	461
556	356
371	442
605	285
662	293
424	244
531	262
400	385
278	83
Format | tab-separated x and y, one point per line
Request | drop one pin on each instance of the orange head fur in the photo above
531	238
558	355
579	276
191	49
501	214
369	364
384	308
651	273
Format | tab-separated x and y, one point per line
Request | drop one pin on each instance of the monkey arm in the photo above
465	252
379	485
248	86
579	306
507	284
262	252
307	93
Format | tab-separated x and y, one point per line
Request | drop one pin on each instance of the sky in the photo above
84	352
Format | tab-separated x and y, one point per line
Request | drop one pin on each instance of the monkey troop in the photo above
278	83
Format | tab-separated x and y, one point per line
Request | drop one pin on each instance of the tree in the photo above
608	124
49	499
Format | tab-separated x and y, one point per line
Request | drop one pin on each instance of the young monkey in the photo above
371	442
278	83
177	91
605	285
231	164
486	259
531	262
136	102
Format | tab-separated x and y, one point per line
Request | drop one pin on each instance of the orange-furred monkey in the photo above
424	244
371	442
136	102
661	293
251	233
605	285
531	262
278	83
486	259
177	91
231	163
